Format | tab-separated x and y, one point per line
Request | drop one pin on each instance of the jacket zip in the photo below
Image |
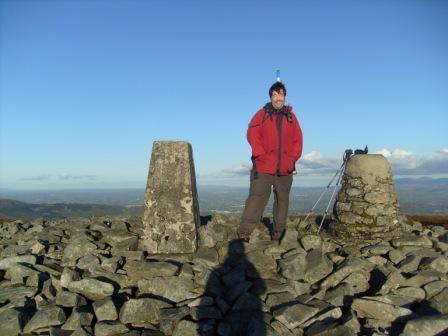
279	131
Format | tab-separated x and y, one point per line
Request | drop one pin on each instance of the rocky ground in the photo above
88	276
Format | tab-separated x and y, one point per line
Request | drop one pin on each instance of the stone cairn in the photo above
367	206
171	215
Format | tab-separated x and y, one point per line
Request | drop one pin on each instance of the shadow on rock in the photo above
326	225
231	303
205	219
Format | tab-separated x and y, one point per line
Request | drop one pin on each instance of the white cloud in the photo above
68	176
396	153
403	162
42	177
243	169
315	163
64	176
407	163
384	152
401	153
314	156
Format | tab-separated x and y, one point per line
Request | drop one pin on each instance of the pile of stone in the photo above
87	277
367	205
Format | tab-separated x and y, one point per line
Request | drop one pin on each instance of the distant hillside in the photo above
423	195
17	209
416	196
422	181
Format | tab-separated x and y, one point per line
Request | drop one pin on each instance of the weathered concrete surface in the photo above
171	214
367	205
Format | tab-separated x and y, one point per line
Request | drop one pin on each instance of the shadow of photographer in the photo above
231	303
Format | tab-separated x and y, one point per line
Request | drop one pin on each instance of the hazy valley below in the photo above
416	196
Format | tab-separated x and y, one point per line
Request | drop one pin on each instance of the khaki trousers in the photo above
259	193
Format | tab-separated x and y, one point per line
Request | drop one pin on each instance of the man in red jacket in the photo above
276	140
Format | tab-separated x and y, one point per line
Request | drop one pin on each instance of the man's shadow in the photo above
235	287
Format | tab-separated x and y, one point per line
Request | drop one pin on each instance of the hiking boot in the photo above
277	235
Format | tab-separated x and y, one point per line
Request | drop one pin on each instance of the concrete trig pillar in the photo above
171	214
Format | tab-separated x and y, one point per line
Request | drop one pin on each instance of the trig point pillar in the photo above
171	214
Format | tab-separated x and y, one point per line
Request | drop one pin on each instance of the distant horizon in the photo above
442	177
422	195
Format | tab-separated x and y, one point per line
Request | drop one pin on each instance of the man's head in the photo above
277	92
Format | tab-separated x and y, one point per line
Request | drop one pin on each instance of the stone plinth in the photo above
171	214
367	205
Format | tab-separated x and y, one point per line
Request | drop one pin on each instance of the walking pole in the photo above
321	195
346	156
331	199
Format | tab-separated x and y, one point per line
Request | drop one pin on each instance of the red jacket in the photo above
276	140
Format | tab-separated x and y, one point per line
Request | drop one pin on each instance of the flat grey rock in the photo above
11	322
105	310
327	316
69	299
409	264
422	241
208	257
111	264
110	328
295	315
81	332
76	249
339	295
80	317
169	317
186	328
348	267
427	325
413	292
440	301
293	267
172	288
13	294
276	299
439	264
88	262
146	270
45	318
120	239
91	288
141	311
311	242
435	287
318	266
8	262
367	307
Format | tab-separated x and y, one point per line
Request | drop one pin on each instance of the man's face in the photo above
278	99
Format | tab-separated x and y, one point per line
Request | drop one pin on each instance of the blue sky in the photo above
87	86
